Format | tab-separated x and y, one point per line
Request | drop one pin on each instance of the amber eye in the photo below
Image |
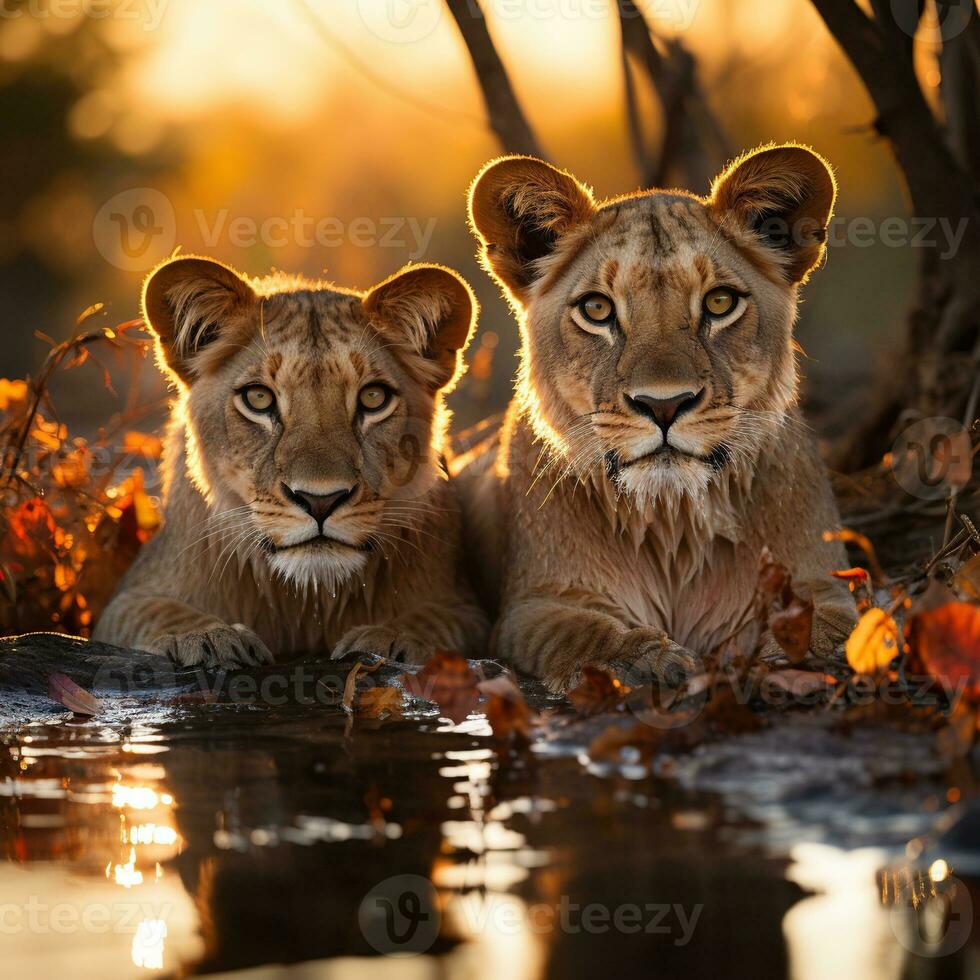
597	309
259	399
373	398
720	302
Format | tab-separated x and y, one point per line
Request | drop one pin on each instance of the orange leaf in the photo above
64	690
873	644
967	578
597	692
858	576
947	640
12	393
507	712
446	679
791	627
380	702
141	444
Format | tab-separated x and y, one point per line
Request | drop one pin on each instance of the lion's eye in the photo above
720	302
373	398
259	399
597	309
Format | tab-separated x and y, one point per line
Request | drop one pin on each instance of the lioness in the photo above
306	501
653	447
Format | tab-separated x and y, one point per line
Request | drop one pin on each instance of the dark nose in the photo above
664	411
318	505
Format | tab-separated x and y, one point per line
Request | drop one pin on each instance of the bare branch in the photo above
507	119
693	144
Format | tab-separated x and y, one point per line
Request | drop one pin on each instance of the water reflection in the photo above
213	841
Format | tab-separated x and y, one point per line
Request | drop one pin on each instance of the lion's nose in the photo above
319	505
664	411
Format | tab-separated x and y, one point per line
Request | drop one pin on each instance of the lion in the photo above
653	447
307	505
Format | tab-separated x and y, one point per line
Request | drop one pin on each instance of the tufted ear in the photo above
784	196
519	208
432	311
190	303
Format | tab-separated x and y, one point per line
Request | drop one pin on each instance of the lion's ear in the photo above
188	303
784	195
432	312
519	208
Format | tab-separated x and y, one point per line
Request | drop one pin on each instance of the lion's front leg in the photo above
554	638
188	637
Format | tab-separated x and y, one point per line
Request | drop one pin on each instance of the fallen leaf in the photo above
350	685
447	679
508	714
967	578
774	582
791	627
947	641
597	692
608	745
856	576
380	702
64	690
799	683
873	644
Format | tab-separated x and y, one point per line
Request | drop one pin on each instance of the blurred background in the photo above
337	137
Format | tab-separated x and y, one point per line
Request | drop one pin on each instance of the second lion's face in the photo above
657	328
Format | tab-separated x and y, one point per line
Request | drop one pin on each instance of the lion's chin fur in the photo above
650	481
314	571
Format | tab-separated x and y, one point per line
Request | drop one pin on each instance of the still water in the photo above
171	836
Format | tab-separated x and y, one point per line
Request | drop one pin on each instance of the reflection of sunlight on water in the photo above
108	906
842	930
148	943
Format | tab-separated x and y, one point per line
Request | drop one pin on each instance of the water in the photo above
170	835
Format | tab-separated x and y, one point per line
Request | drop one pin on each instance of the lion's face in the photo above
657	328
314	416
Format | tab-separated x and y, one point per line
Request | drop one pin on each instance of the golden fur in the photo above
240	568
617	550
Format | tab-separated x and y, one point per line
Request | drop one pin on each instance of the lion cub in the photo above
653	447
306	501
